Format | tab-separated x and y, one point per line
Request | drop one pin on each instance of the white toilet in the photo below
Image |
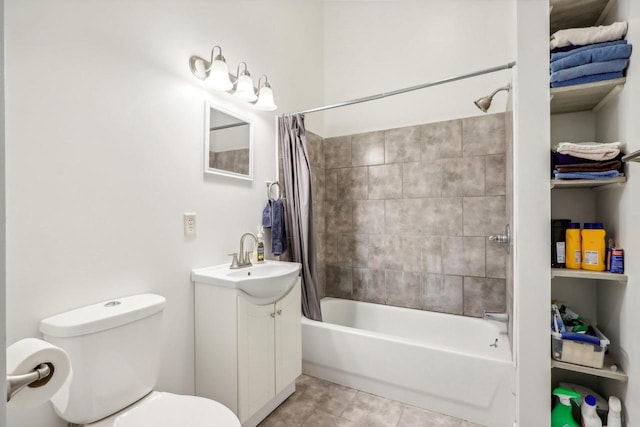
114	348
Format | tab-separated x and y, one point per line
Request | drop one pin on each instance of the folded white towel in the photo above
588	35
590	150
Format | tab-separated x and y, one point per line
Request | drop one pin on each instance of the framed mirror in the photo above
228	143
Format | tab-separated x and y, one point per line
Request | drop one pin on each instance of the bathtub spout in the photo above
500	317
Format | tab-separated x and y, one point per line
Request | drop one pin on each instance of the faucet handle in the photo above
247	257
234	261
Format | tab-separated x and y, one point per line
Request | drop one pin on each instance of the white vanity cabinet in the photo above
247	355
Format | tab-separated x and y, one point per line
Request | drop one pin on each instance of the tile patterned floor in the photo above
319	403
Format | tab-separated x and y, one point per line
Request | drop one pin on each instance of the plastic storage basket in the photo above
578	352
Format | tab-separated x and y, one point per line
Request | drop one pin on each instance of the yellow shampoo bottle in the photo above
593	246
574	246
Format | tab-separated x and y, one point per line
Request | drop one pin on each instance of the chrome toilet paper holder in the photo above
40	375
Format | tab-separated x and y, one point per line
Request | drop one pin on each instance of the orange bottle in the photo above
574	246
593	246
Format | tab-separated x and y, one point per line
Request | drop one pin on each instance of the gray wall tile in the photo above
385	252
339	282
367	149
483	135
337	152
352	183
353	250
412	253
314	150
385	182
496	260
402	144
463	256
339	216
422	180
331	184
432	254
403	289
368	216
404	216
481	293
442	293
369	285
495	175
442	140
331	249
484	216
442	216
463	177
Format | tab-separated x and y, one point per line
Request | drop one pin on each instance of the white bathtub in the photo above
440	362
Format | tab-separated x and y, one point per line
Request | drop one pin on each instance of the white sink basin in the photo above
264	283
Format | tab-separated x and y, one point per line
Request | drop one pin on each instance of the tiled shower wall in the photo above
403	215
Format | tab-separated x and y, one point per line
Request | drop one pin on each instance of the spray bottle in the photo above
561	414
589	416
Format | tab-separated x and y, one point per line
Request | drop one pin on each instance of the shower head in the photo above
485	102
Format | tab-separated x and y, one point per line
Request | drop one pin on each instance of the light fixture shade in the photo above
219	75
265	99
244	88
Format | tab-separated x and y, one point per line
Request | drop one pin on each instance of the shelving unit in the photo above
586	274
604	372
590	97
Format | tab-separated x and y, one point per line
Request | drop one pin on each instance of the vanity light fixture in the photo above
244	85
265	95
216	76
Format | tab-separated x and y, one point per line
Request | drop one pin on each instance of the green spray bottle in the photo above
561	414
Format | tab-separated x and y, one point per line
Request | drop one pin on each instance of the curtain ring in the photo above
276	183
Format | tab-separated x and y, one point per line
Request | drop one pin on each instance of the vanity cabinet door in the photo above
256	357
288	339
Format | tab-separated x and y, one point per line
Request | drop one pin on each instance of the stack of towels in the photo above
587	160
585	55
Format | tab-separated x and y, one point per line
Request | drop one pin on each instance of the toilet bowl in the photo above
115	348
171	410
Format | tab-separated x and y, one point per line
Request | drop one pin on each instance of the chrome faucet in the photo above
243	259
500	317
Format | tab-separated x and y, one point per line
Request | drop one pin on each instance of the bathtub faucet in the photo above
500	317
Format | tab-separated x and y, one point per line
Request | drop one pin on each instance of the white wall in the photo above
378	46
618	305
3	329
532	213
104	152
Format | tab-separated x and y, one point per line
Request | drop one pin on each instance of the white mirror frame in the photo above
208	105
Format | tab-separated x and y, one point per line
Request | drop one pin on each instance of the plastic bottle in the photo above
615	408
593	246
561	414
588	410
260	247
573	246
558	227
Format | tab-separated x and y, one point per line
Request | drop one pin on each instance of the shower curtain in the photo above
299	207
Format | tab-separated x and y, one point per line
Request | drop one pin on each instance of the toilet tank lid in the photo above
101	316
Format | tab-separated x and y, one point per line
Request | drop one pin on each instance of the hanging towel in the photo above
588	79
586	175
278	232
590	150
588	35
570	50
587	56
266	215
612	66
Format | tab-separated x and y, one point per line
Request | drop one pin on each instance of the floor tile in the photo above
414	417
373	411
326	396
291	413
322	419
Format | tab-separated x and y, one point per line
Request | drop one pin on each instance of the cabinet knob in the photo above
279	312
273	315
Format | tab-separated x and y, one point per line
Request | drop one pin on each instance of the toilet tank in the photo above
114	347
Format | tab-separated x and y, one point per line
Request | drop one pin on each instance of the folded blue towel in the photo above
588	79
278	232
589	69
599	54
585	175
563	52
266	215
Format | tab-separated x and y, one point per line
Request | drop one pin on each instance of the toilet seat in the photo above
171	410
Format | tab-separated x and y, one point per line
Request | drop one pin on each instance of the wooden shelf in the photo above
584	97
574	14
586	274
588	183
604	372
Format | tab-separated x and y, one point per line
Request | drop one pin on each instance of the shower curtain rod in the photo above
407	89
